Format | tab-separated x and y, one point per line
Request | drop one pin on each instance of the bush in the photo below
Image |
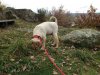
90	19
41	15
63	17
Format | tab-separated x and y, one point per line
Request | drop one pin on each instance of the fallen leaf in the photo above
52	59
32	57
98	65
24	68
74	74
54	72
69	68
12	59
43	58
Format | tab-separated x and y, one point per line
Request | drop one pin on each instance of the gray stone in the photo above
25	14
82	38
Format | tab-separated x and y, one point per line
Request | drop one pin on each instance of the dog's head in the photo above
36	43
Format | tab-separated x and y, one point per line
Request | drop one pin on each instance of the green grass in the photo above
16	49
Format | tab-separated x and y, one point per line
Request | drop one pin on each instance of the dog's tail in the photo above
54	19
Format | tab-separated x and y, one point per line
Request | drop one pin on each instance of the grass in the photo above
16	49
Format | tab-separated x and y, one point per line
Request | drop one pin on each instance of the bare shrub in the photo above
89	19
62	16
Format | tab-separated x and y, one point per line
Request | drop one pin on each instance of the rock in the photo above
7	14
10	15
25	14
82	38
2	16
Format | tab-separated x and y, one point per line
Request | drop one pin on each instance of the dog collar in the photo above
38	37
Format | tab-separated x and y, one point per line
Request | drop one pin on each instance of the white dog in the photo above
40	31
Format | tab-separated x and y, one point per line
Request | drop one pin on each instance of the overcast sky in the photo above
70	5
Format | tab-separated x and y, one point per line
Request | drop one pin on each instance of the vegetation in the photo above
2	7
41	15
18	58
90	19
64	17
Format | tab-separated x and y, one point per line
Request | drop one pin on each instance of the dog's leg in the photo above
53	42
56	39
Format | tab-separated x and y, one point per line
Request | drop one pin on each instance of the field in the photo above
18	58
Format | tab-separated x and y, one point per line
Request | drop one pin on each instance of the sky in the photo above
69	5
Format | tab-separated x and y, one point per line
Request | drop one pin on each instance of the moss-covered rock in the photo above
82	38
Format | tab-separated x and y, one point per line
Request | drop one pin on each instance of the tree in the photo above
41	15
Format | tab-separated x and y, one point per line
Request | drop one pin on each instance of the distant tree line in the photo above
66	19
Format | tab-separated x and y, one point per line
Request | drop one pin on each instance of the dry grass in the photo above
15	52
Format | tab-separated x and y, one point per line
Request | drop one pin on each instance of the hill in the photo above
17	56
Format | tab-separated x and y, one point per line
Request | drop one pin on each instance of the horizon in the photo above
72	6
